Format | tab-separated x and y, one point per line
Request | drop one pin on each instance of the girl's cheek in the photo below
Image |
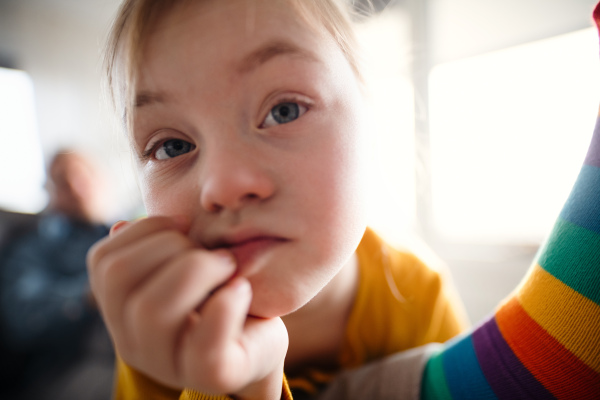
173	199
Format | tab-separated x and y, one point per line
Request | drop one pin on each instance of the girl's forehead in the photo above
233	33
242	20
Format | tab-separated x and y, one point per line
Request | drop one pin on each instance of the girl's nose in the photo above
234	178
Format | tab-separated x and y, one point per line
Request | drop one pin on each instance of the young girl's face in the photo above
247	121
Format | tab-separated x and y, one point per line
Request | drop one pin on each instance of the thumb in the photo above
267	340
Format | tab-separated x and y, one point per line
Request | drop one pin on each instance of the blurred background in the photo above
481	114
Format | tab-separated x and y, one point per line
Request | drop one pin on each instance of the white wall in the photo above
464	28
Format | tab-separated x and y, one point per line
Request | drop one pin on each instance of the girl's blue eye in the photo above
283	113
173	148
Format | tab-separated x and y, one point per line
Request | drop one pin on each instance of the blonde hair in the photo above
136	18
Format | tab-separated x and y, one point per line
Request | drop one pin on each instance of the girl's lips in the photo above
247	251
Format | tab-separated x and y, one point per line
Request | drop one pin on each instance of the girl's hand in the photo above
178	314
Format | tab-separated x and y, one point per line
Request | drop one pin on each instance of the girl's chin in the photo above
269	308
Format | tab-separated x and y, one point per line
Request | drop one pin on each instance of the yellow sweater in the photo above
401	303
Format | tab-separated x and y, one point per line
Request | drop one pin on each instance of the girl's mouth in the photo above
246	252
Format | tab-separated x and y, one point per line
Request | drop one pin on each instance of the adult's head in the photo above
75	187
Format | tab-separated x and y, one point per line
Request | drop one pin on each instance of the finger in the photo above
210	358
266	343
119	273
127	233
227	310
162	304
104	253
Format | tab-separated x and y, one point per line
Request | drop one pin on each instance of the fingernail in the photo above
226	256
240	284
117	226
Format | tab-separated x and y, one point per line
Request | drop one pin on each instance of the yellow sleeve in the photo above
401	303
133	385
189	394
437	312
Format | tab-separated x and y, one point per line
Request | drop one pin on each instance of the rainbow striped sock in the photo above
544	341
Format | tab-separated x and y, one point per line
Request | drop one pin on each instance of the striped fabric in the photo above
544	341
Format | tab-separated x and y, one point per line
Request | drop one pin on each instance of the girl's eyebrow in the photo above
145	98
253	60
271	50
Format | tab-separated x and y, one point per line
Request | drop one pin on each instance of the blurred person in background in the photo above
54	344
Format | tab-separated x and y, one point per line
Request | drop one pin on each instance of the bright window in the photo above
509	131
385	66
21	162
